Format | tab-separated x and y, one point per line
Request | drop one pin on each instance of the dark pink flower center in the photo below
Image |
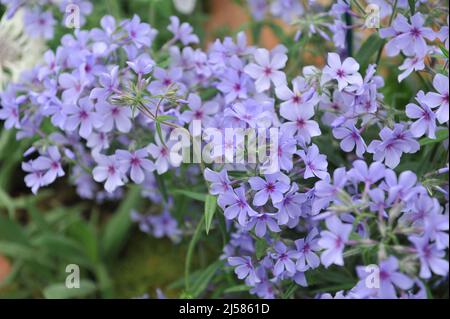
135	161
415	32
300	123
340	73
83	115
111	170
270	187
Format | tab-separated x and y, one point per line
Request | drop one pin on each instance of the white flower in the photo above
18	52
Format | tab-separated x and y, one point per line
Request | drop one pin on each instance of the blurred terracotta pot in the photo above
5	268
228	13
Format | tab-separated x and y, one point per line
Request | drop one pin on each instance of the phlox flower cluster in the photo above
102	106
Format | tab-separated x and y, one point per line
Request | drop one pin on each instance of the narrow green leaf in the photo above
163	118
440	136
369	48
412	6
118	227
204	279
84	234
60	291
190	252
444	50
210	210
12	231
193	195
261	247
161	186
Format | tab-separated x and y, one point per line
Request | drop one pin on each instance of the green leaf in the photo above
239	288
12	231
369	48
21	252
444	50
6	202
193	195
84	234
118	227
201	283
163	118
261	248
412	6
190	252
210	210
62	247
60	291
440	136
159	131
161	186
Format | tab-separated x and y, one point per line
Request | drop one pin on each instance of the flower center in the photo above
340	73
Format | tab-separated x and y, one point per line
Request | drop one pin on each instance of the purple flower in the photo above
283	258
443	34
274	186
109	170
345	73
244	269
165	225
39	24
402	189
258	8
393	143
114	115
369	175
300	94
267	69
235	205
163	154
410	65
431	258
140	34
182	32
306	247
35	177
299	122
290	206
408	37
142	65
388	278
50	165
199	111
441	98
233	85
421	207
333	241
325	192
164	79
287	10
378	201
315	163
436	227
287	147
109	83
350	137
137	162
260	222
73	85
9	111
82	115
426	120
220	183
